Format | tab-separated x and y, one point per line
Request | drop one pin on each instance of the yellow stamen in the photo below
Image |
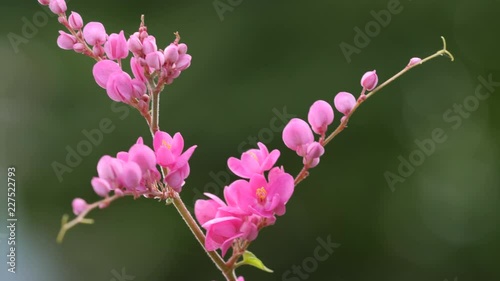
261	194
166	144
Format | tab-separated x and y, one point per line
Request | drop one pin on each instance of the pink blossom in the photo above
297	135
103	69
314	151
134	44
414	61
140	88
119	87
131	175
75	21
143	155
57	6
94	33
149	45
65	41
369	80
172	53
262	197
169	155
182	48
254	161
44	2
344	102
101	186
79	48
79	205
155	60
320	116
137	69
116	46
183	62
240	278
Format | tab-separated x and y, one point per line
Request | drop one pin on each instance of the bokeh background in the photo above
440	223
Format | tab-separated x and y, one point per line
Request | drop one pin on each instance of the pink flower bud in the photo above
183	48
183	62
171	53
314	151
137	69
297	135
75	21
149	45
414	61
79	205
65	41
139	88
320	116
131	176
119	87
155	60
109	168
134	44
116	46
103	69
344	102
94	33
79	48
369	80
144	156
98	50
58	6
44	2
101	187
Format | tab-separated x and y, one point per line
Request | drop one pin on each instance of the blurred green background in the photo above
441	222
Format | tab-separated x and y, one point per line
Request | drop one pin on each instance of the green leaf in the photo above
250	259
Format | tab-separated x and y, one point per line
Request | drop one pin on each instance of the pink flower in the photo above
182	48
101	186
369	80
260	196
57	6
155	60
183	62
149	45
254	161
344	102
116	46
223	227
169	155
297	135
414	61
109	168
137	69
134	43
320	116
314	151
79	48
44	2
144	156
240	278
119	87
75	21
79	205
103	69
172	53
94	33
65	41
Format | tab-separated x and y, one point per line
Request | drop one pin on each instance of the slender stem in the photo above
65	225
156	112
228	272
343	124
198	234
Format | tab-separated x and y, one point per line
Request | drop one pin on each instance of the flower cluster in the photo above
148	61
250	203
135	172
298	134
